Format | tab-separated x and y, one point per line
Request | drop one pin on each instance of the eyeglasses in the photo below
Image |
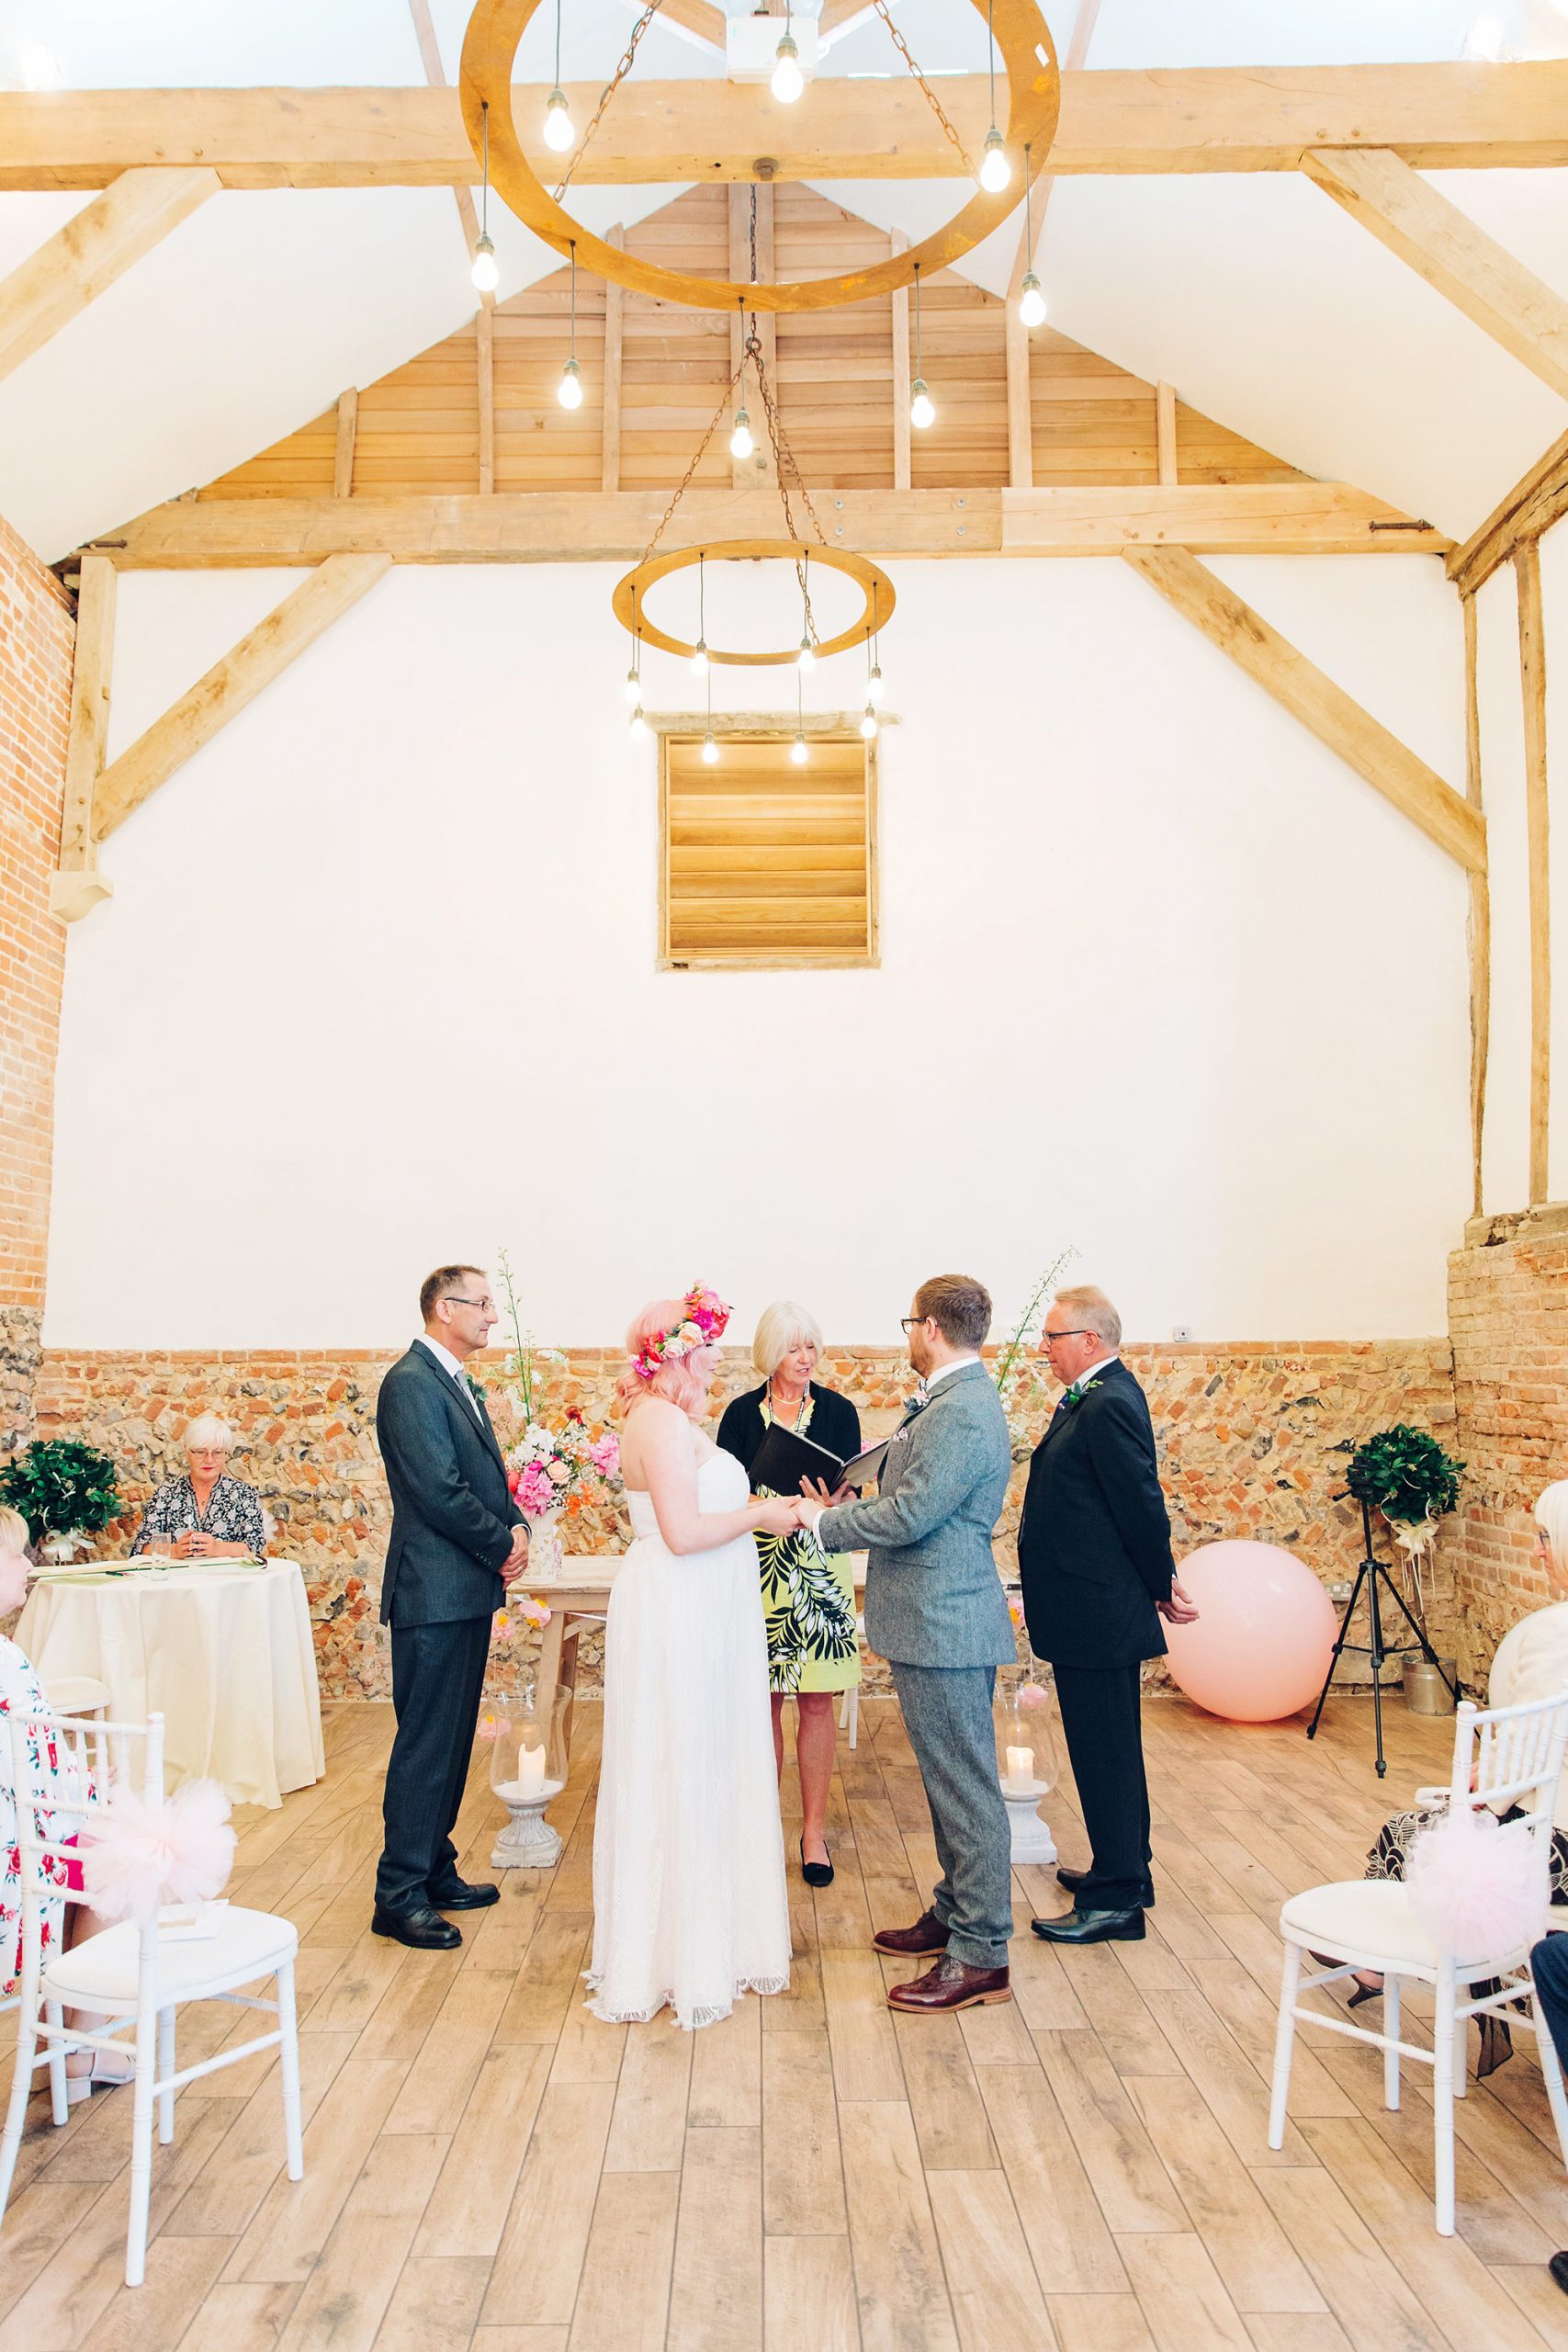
907	1323
1049	1339
486	1305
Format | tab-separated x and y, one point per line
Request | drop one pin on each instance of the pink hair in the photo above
685	1380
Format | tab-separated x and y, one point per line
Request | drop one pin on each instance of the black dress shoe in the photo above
1073	1880
420	1927
1558	2267
815	1873
457	1895
1093	1928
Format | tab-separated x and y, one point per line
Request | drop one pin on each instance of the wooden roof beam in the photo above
135	212
560	527
260	656
1530	508
1444	245
1311	695
1435	116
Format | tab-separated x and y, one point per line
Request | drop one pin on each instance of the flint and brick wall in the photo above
1248	1440
38	633
1509	1317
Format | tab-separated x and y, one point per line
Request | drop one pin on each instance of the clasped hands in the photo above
783	1514
516	1559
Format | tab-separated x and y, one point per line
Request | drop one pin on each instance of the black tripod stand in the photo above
1371	1573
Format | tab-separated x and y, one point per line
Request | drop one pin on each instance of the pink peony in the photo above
605	1456
535	1491
559	1472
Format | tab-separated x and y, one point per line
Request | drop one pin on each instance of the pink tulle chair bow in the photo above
138	1856
1475	1883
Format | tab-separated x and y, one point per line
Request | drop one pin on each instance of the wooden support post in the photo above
97	245
1533	678
1480	924
1330	714
901	375
1445	246
342	457
1165	432
484	350
1020	419
435	75
610	422
78	886
230	684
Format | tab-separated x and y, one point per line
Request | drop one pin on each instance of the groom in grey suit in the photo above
935	1609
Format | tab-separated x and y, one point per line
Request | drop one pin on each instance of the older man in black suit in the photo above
457	1541
1095	1559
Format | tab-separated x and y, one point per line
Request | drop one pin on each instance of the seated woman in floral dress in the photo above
204	1514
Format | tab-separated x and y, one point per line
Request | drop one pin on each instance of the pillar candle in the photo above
530	1770
1021	1766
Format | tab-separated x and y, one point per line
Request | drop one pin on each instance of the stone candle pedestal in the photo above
1031	1839
527	1842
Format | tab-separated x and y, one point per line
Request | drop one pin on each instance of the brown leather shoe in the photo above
923	1941
950	1985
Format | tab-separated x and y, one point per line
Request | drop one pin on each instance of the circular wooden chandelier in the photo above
1034	83
629	600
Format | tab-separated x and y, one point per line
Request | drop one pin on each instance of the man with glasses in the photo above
457	1541
1095	1560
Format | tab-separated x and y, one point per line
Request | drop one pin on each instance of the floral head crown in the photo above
703	1316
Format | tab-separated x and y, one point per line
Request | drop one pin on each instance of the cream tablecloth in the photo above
226	1655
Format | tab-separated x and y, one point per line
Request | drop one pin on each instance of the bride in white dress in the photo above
690	1907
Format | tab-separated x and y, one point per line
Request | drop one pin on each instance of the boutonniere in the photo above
1077	1391
476	1388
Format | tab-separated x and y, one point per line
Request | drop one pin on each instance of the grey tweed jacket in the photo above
933	1594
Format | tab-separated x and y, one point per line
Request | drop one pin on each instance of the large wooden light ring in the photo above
1035	93
630	597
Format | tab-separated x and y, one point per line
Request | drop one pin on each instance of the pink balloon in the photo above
1260	1646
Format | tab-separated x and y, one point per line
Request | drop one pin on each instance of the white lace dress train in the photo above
690	1906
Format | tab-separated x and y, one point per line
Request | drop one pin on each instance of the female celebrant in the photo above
808	1597
206	1515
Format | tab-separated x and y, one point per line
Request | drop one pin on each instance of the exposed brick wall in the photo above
1246	1437
36	638
1509	1317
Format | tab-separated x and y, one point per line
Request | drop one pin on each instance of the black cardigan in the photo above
834	1423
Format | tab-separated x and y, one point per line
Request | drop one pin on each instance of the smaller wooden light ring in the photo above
630	599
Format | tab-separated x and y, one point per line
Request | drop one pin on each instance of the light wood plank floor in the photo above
1087	2169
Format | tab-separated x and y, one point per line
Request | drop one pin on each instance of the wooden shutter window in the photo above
765	863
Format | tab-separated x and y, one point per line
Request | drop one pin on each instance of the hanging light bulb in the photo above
787	81
1032	302
874	684
798	751
700	659
639	724
868	725
710	750
741	442
569	391
996	171
807	657
633	688
922	408
486	271
558	131
700	651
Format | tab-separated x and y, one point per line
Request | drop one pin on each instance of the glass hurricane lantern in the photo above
1026	1756
527	1767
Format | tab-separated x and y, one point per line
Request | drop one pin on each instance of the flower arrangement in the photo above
65	1491
556	1469
703	1318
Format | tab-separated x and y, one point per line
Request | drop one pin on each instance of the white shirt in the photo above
449	1363
956	1363
1093	1371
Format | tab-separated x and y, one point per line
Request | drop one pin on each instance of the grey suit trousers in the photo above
947	1714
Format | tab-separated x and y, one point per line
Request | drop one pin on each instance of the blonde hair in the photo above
1551	1518
15	1532
207	1430
780	1327
1093	1310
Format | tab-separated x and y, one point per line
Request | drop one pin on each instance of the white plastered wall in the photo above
1159	975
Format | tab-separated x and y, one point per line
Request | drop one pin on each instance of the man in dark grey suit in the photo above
935	1609
457	1541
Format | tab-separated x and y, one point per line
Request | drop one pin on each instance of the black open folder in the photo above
785	1457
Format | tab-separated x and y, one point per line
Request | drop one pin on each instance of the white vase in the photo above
546	1550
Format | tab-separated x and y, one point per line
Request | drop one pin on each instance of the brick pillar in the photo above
1508	1321
37	637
